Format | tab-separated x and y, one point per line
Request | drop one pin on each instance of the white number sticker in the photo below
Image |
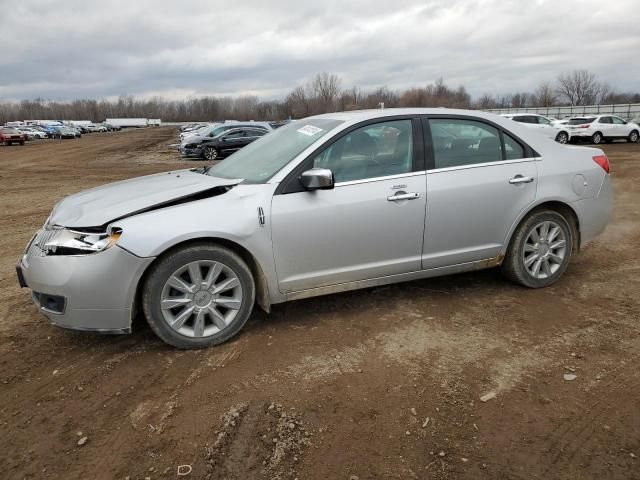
309	130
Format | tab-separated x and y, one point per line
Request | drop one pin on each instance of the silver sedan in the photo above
327	204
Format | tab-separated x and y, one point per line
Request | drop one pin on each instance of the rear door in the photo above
231	141
479	180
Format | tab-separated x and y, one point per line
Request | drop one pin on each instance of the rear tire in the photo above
633	137
597	138
198	296
540	250
21	142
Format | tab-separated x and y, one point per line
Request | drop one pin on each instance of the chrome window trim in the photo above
484	164
378	179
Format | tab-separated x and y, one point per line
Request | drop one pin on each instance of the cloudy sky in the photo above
65	49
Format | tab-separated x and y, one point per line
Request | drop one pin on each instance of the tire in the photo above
597	138
633	137
21	142
195	325
519	265
210	153
562	138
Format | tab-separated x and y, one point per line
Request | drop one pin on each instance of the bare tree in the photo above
325	88
581	87
545	96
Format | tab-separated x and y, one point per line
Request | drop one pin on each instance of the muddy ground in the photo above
378	383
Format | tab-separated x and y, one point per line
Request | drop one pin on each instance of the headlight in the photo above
191	145
71	242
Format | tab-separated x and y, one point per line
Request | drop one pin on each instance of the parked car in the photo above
543	124
224	144
327	204
64	132
9	136
33	132
212	132
603	128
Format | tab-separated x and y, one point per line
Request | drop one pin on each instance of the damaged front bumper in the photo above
93	292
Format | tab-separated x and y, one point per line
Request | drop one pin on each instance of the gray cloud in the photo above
71	49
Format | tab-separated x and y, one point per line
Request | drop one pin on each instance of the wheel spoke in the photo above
536	267
179	284
529	247
228	284
530	259
169	303
534	235
198	324
195	273
218	319
212	275
558	244
544	230
231	303
553	234
546	268
178	322
556	258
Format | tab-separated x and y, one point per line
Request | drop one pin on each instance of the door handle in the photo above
520	179
403	196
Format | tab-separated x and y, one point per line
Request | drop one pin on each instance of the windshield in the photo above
262	159
580	121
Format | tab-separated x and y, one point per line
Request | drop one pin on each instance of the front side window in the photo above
464	142
543	121
605	120
618	121
377	150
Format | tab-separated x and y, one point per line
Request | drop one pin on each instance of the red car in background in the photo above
9	136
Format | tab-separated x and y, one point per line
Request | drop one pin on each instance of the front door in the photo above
479	183
370	225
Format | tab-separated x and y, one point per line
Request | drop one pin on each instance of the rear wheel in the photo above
597	138
562	137
633	136
540	250
21	142
210	153
198	296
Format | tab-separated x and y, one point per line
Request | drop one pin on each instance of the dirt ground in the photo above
377	383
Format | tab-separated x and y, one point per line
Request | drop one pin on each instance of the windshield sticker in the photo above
309	130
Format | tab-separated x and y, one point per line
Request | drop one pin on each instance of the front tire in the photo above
210	153
562	138
540	250
198	296
597	138
633	137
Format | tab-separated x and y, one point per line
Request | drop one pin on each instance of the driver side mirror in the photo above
317	179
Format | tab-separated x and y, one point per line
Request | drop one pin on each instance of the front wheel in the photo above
633	137
210	153
597	138
198	296
562	137
540	250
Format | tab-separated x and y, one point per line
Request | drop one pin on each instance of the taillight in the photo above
603	161
584	126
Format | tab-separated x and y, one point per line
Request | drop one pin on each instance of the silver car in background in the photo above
327	204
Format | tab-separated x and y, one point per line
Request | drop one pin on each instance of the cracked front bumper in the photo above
97	291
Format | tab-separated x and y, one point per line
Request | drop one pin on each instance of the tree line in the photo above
323	93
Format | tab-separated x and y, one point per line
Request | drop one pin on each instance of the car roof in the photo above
361	115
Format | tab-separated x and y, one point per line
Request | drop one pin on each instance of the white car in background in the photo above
603	128
544	125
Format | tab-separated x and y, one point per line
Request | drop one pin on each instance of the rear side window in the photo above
512	148
605	120
464	142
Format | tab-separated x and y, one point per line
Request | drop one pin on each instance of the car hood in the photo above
102	205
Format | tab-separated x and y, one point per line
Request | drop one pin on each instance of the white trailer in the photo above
127	122
154	122
79	123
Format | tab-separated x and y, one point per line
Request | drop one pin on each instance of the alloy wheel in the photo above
201	298
562	138
597	138
211	153
544	250
633	138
